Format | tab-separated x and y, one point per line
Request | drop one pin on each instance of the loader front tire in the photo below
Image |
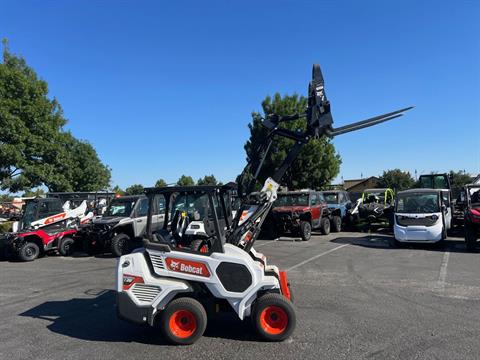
183	321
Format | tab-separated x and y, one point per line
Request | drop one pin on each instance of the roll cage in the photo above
219	197
255	205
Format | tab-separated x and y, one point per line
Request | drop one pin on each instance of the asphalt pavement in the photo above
356	298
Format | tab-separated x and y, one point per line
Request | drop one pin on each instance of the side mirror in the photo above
444	208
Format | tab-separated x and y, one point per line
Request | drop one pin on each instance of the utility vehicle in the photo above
421	216
173	287
375	205
339	203
298	213
122	226
442	182
47	224
472	215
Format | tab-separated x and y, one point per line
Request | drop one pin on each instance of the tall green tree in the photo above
459	178
185	181
396	179
34	192
317	164
208	180
160	183
34	149
136	189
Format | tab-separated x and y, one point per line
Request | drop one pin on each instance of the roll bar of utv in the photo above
256	205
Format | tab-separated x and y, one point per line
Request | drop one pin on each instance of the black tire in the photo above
470	237
336	225
391	221
29	251
121	245
67	246
271	232
183	321
305	230
325	228
273	317
200	245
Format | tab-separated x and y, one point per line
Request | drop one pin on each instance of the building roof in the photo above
354	182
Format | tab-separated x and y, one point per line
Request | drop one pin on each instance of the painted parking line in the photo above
442	274
266	243
316	257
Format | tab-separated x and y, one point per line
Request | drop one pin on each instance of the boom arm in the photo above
255	206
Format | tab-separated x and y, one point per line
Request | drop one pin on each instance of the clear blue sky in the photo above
166	88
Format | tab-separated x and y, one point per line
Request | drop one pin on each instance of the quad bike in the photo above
174	287
47	224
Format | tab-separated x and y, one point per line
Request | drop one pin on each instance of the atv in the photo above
47	225
174	287
121	227
298	213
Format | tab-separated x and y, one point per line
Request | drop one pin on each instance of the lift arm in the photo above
256	205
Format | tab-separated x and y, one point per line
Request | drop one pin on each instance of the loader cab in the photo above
434	181
197	218
97	201
39	208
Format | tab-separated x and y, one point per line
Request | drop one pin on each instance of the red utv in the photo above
472	215
298	213
46	225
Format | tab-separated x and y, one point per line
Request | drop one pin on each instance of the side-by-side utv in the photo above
375	205
47	224
172	285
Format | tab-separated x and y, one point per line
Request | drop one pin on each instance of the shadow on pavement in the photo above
380	241
94	318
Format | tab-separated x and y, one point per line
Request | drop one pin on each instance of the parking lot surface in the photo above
356	298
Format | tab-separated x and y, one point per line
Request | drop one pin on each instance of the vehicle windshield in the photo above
374	196
196	206
120	207
29	213
331	198
418	203
292	200
434	181
474	196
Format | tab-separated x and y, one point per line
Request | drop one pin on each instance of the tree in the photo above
33	193
459	178
208	180
34	149
118	190
396	179
185	181
135	189
317	163
160	183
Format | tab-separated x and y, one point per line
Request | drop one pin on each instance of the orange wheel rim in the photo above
274	320
182	324
204	249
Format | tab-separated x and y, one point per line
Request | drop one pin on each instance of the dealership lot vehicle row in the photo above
356	297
